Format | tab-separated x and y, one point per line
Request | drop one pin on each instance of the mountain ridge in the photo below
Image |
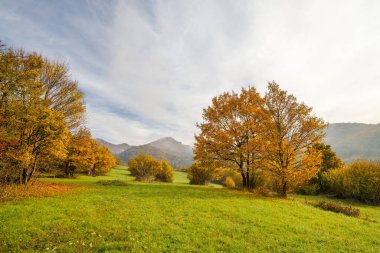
354	141
176	153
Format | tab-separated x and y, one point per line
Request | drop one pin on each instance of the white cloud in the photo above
150	67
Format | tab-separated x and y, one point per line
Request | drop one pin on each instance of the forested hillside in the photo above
352	141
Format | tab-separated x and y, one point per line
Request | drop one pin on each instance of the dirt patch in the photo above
35	189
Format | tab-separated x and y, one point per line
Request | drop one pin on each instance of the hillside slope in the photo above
352	141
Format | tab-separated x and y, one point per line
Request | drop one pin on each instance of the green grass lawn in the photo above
162	217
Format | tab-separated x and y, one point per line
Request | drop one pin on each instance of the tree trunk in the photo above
284	189
244	180
249	185
23	176
30	174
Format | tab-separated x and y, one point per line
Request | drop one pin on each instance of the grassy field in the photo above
159	217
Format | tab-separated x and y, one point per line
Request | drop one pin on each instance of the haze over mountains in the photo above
176	153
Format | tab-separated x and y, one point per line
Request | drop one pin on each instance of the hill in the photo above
114	148
176	153
112	213
352	141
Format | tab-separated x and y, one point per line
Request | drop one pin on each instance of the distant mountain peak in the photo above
114	148
168	148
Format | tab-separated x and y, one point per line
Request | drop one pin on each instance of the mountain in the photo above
353	141
114	148
176	153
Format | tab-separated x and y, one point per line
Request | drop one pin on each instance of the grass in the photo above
161	217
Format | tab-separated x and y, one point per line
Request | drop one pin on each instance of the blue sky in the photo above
149	67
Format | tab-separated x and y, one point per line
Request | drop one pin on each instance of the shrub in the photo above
112	183
144	167
147	169
221	174
359	180
229	182
165	172
337	208
199	174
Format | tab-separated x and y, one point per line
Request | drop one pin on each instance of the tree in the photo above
80	155
37	132
61	93
38	103
231	132
200	174
291	132
104	161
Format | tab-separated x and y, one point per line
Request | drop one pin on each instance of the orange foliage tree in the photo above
231	132
290	134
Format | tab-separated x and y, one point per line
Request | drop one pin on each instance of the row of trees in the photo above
253	134
41	119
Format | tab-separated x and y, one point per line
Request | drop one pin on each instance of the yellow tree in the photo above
37	131
104	161
61	93
291	132
80	154
231	132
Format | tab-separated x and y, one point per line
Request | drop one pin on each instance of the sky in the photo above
147	68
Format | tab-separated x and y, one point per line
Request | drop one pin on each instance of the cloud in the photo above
149	67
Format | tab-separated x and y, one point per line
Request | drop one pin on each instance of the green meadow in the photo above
113	213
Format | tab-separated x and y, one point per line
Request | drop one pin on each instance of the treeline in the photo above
41	120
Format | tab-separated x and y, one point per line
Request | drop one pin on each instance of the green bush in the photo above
337	208
359	180
199	174
112	183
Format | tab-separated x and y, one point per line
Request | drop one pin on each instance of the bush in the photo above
112	183
221	174
165	172
229	182
337	208
144	167
308	188
147	169
359	180
199	174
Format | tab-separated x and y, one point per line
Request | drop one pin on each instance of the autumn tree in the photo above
38	105
37	131
104	161
80	156
231	132
291	132
61	93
